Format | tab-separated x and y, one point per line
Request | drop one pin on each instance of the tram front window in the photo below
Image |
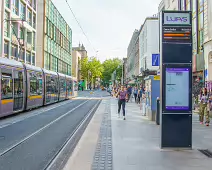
7	87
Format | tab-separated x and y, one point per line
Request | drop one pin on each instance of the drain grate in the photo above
206	152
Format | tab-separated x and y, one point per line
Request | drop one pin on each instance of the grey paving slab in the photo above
136	144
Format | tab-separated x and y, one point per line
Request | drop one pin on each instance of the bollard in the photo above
158	111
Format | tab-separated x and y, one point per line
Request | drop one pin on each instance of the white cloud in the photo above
109	24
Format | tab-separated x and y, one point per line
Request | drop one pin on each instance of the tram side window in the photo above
7	86
40	83
51	85
48	85
36	83
70	86
62	85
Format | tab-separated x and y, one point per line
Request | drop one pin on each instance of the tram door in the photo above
18	90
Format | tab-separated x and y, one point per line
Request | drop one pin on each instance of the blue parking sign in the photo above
155	59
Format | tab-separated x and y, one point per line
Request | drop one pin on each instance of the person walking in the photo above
129	92
204	107
122	97
135	92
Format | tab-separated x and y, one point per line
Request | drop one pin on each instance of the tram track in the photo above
39	130
16	132
55	163
12	119
33	146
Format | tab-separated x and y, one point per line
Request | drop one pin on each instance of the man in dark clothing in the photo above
129	92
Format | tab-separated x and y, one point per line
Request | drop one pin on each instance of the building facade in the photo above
208	39
81	49
18	31
76	57
54	39
172	4
148	44
199	32
131	55
124	70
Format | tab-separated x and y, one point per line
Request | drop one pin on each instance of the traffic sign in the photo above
155	59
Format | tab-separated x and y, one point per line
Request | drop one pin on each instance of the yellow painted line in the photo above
6	101
35	97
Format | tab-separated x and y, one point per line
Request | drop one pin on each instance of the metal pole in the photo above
122	74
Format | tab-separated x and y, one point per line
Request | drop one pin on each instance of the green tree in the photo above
84	68
91	69
110	66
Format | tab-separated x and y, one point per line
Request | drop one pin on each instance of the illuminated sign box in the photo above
177	19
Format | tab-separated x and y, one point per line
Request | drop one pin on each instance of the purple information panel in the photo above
177	89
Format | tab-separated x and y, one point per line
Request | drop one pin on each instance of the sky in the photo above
108	24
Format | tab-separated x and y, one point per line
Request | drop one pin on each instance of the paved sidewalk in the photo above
111	143
136	144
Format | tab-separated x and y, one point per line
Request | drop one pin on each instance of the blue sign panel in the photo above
155	59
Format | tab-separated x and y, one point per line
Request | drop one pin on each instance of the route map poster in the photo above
177	88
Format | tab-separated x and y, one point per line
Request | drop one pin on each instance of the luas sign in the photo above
176	19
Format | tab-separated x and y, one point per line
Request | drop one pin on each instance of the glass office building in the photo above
56	45
18	32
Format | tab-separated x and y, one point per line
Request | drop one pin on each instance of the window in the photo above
34	4
62	85
47	61
29	37
6	49
14	51
33	40
53	63
28	57
22	11
69	86
33	59
18	83
14	28
6	24
183	5
22	55
21	34
200	5
29	17
52	84
7	3
15	6
36	83
194	6
194	26
7	84
201	18
194	43
46	25
34	21
188	5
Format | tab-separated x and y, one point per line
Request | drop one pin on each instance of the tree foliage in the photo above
91	66
110	66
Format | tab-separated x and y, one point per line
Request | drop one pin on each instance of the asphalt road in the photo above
31	142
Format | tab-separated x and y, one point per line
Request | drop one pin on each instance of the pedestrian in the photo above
122	97
135	92
139	95
204	107
129	92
